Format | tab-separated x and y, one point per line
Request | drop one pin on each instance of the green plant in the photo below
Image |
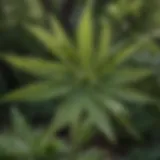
18	12
23	142
151	153
93	80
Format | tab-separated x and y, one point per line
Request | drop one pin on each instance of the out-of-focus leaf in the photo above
101	121
120	113
93	154
129	75
37	66
104	41
13	146
128	51
35	9
60	34
67	114
72	109
85	39
116	108
50	41
85	131
37	92
21	127
132	95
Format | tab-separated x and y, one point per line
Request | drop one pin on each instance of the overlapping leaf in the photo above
115	79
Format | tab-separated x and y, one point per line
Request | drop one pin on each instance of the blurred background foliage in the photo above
128	18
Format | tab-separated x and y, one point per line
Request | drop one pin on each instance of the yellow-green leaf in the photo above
60	34
49	40
37	92
104	42
63	39
37	66
85	36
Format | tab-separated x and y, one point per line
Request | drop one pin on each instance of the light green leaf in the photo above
37	92
37	66
104	42
85	37
20	127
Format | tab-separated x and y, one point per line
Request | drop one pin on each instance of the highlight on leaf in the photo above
85	36
104	41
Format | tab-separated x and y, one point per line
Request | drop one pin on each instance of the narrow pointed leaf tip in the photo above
104	41
130	75
20	126
85	38
41	91
36	66
60	33
49	40
101	121
126	53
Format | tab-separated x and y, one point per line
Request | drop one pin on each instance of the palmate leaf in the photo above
37	66
85	36
40	91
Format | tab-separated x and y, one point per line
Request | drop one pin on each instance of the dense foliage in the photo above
74	70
